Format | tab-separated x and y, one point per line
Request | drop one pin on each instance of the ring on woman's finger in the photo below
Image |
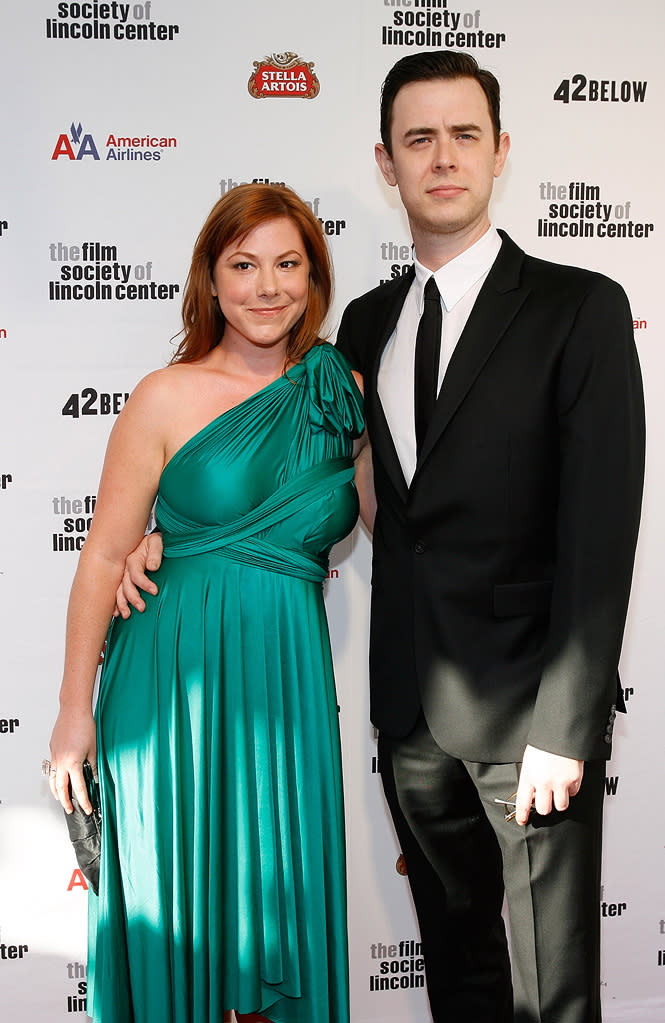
47	767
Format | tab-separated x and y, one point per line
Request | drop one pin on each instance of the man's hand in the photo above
146	558
546	779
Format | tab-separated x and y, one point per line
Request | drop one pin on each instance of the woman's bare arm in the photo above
132	466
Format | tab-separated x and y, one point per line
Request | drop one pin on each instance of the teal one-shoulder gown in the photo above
223	864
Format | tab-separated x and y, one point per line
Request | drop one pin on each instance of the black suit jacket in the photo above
501	576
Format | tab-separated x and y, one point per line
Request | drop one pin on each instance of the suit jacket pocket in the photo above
513	599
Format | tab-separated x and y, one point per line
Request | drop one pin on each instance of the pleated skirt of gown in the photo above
224	838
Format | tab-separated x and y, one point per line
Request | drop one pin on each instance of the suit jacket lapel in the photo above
379	431
497	304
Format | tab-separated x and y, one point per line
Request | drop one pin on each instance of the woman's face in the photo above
261	284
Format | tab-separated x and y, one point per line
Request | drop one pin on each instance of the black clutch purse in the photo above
85	831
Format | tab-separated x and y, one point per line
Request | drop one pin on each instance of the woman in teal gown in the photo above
222	882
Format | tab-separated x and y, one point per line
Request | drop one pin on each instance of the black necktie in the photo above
428	348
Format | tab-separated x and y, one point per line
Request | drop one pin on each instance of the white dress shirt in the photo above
459	282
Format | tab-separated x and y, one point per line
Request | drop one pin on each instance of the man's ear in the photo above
384	160
501	153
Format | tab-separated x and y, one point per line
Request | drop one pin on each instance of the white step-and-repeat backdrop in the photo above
121	124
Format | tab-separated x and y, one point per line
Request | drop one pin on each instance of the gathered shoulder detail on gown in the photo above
337	404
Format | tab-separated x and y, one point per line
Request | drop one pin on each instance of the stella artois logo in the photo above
283	74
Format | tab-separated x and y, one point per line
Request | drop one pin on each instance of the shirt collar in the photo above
455	278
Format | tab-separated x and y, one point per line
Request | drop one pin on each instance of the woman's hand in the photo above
74	740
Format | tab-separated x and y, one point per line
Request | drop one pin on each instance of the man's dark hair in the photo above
423	67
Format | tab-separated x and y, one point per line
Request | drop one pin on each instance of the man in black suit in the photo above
508	495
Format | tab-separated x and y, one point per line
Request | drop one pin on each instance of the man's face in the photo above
444	160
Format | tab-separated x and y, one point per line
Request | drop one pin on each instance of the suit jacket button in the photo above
607	739
419	547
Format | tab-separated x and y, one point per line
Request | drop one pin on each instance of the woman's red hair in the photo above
231	219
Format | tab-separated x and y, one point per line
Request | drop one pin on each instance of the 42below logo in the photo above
76	145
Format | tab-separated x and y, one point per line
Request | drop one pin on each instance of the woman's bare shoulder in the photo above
164	386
